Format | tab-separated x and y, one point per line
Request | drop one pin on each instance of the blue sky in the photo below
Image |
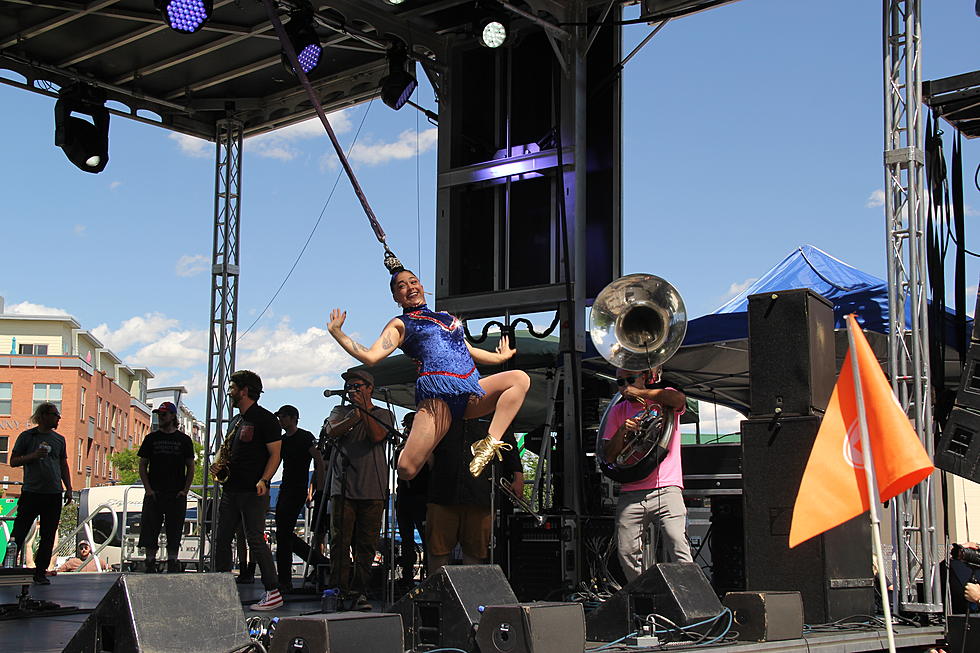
748	130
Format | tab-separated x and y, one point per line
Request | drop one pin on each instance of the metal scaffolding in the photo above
915	547
224	304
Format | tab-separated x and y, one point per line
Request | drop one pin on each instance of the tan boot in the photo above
484	451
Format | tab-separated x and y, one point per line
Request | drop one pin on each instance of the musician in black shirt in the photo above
167	471
298	449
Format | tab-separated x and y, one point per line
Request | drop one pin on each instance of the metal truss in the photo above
915	547
224	302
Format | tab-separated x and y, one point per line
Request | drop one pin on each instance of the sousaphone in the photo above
638	322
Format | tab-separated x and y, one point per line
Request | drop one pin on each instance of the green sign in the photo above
8	509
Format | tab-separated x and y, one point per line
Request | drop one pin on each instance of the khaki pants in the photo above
635	511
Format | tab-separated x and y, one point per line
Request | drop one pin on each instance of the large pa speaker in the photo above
831	571
444	610
791	353
179	613
958	450
532	628
675	590
766	616
344	632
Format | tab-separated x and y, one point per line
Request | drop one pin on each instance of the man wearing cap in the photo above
255	439
359	486
298	449
167	471
83	560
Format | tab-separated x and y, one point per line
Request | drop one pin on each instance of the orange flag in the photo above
833	489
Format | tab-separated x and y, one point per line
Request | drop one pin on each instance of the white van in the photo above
126	501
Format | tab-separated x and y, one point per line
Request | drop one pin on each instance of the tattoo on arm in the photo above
386	343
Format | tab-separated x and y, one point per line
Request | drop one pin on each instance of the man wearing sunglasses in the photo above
358	488
656	499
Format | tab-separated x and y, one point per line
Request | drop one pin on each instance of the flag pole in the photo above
869	476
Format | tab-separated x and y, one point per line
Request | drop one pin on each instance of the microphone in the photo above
334	393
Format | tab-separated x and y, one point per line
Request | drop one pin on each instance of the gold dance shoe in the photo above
484	451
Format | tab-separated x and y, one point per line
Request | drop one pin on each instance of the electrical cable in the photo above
609	645
312	231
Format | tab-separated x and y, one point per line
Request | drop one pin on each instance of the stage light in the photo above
399	84
301	30
86	144
185	16
492	33
394	2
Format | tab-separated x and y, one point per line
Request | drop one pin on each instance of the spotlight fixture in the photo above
301	30
85	143
491	32
185	16
398	2
399	84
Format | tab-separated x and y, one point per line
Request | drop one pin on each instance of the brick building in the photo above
102	400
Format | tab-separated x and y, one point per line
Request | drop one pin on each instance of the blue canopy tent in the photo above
713	364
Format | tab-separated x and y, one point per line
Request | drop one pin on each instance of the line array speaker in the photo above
185	613
444	610
345	632
675	590
831	571
791	353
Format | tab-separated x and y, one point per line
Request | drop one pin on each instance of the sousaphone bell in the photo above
637	323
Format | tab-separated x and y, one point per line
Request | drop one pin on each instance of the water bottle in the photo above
328	602
10	560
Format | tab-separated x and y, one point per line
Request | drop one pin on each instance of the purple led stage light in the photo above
309	57
186	16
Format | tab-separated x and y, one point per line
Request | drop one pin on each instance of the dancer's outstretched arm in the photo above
391	337
483	357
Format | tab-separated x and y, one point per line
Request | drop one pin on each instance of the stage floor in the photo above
84	591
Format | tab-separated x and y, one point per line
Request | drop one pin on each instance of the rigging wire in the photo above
312	231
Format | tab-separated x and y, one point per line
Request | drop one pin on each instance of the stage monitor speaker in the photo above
675	590
443	611
766	616
178	613
832	571
532	628
791	353
343	632
956	632
958	451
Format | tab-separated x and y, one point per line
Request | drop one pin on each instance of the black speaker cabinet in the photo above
182	613
958	450
956	632
444	610
791	353
766	616
532	628
832	571
344	632
676	590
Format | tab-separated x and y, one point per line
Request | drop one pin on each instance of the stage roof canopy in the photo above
187	82
957	100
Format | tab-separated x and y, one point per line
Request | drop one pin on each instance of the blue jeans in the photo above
249	509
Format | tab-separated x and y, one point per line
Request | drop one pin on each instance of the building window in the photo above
47	392
81	448
98	420
32	350
4	445
6	396
81	404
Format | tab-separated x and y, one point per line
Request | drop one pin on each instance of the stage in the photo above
84	591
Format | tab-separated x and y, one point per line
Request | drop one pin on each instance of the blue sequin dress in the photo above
446	370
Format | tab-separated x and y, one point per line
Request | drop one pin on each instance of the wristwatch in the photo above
266	481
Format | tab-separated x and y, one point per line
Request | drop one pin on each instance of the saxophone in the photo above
219	468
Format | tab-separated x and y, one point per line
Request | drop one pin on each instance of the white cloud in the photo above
196	384
876	198
280	144
27	308
728	420
736	288
114	185
181	349
191	145
402	148
135	330
970	211
285	358
189	265
79	229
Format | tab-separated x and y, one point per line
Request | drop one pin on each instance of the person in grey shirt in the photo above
42	453
359	486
